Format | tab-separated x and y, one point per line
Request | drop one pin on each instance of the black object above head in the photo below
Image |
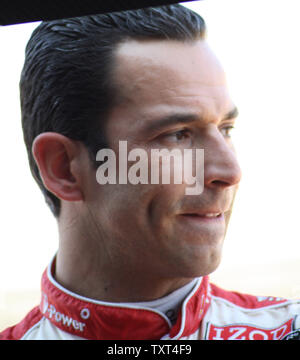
16	12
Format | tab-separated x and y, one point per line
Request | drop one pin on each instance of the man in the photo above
133	257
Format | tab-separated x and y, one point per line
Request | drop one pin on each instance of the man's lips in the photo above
204	216
209	214
204	212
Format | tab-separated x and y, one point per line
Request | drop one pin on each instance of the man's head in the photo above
68	83
149	78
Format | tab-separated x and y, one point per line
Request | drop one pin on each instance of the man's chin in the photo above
200	262
208	269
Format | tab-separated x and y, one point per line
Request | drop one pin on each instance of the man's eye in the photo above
226	130
178	136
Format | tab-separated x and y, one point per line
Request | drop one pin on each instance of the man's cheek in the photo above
228	213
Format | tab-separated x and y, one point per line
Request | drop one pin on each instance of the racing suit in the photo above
208	312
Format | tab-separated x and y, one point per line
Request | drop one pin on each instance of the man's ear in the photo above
54	154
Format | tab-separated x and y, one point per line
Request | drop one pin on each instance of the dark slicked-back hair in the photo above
67	84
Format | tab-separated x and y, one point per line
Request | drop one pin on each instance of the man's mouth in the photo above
209	216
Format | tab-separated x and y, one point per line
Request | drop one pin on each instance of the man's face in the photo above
173	95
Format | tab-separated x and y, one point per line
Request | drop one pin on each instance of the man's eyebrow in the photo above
177	118
232	114
172	119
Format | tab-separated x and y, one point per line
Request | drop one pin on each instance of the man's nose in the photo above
221	167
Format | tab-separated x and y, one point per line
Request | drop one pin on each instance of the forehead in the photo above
163	64
156	77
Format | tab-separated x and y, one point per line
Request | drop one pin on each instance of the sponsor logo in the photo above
248	332
52	314
294	335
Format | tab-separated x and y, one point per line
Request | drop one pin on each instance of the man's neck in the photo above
85	266
90	280
85	271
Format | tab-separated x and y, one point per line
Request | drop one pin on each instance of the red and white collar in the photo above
99	320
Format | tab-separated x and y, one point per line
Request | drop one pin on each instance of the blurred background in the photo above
258	44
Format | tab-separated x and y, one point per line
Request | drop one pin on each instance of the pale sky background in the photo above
258	43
